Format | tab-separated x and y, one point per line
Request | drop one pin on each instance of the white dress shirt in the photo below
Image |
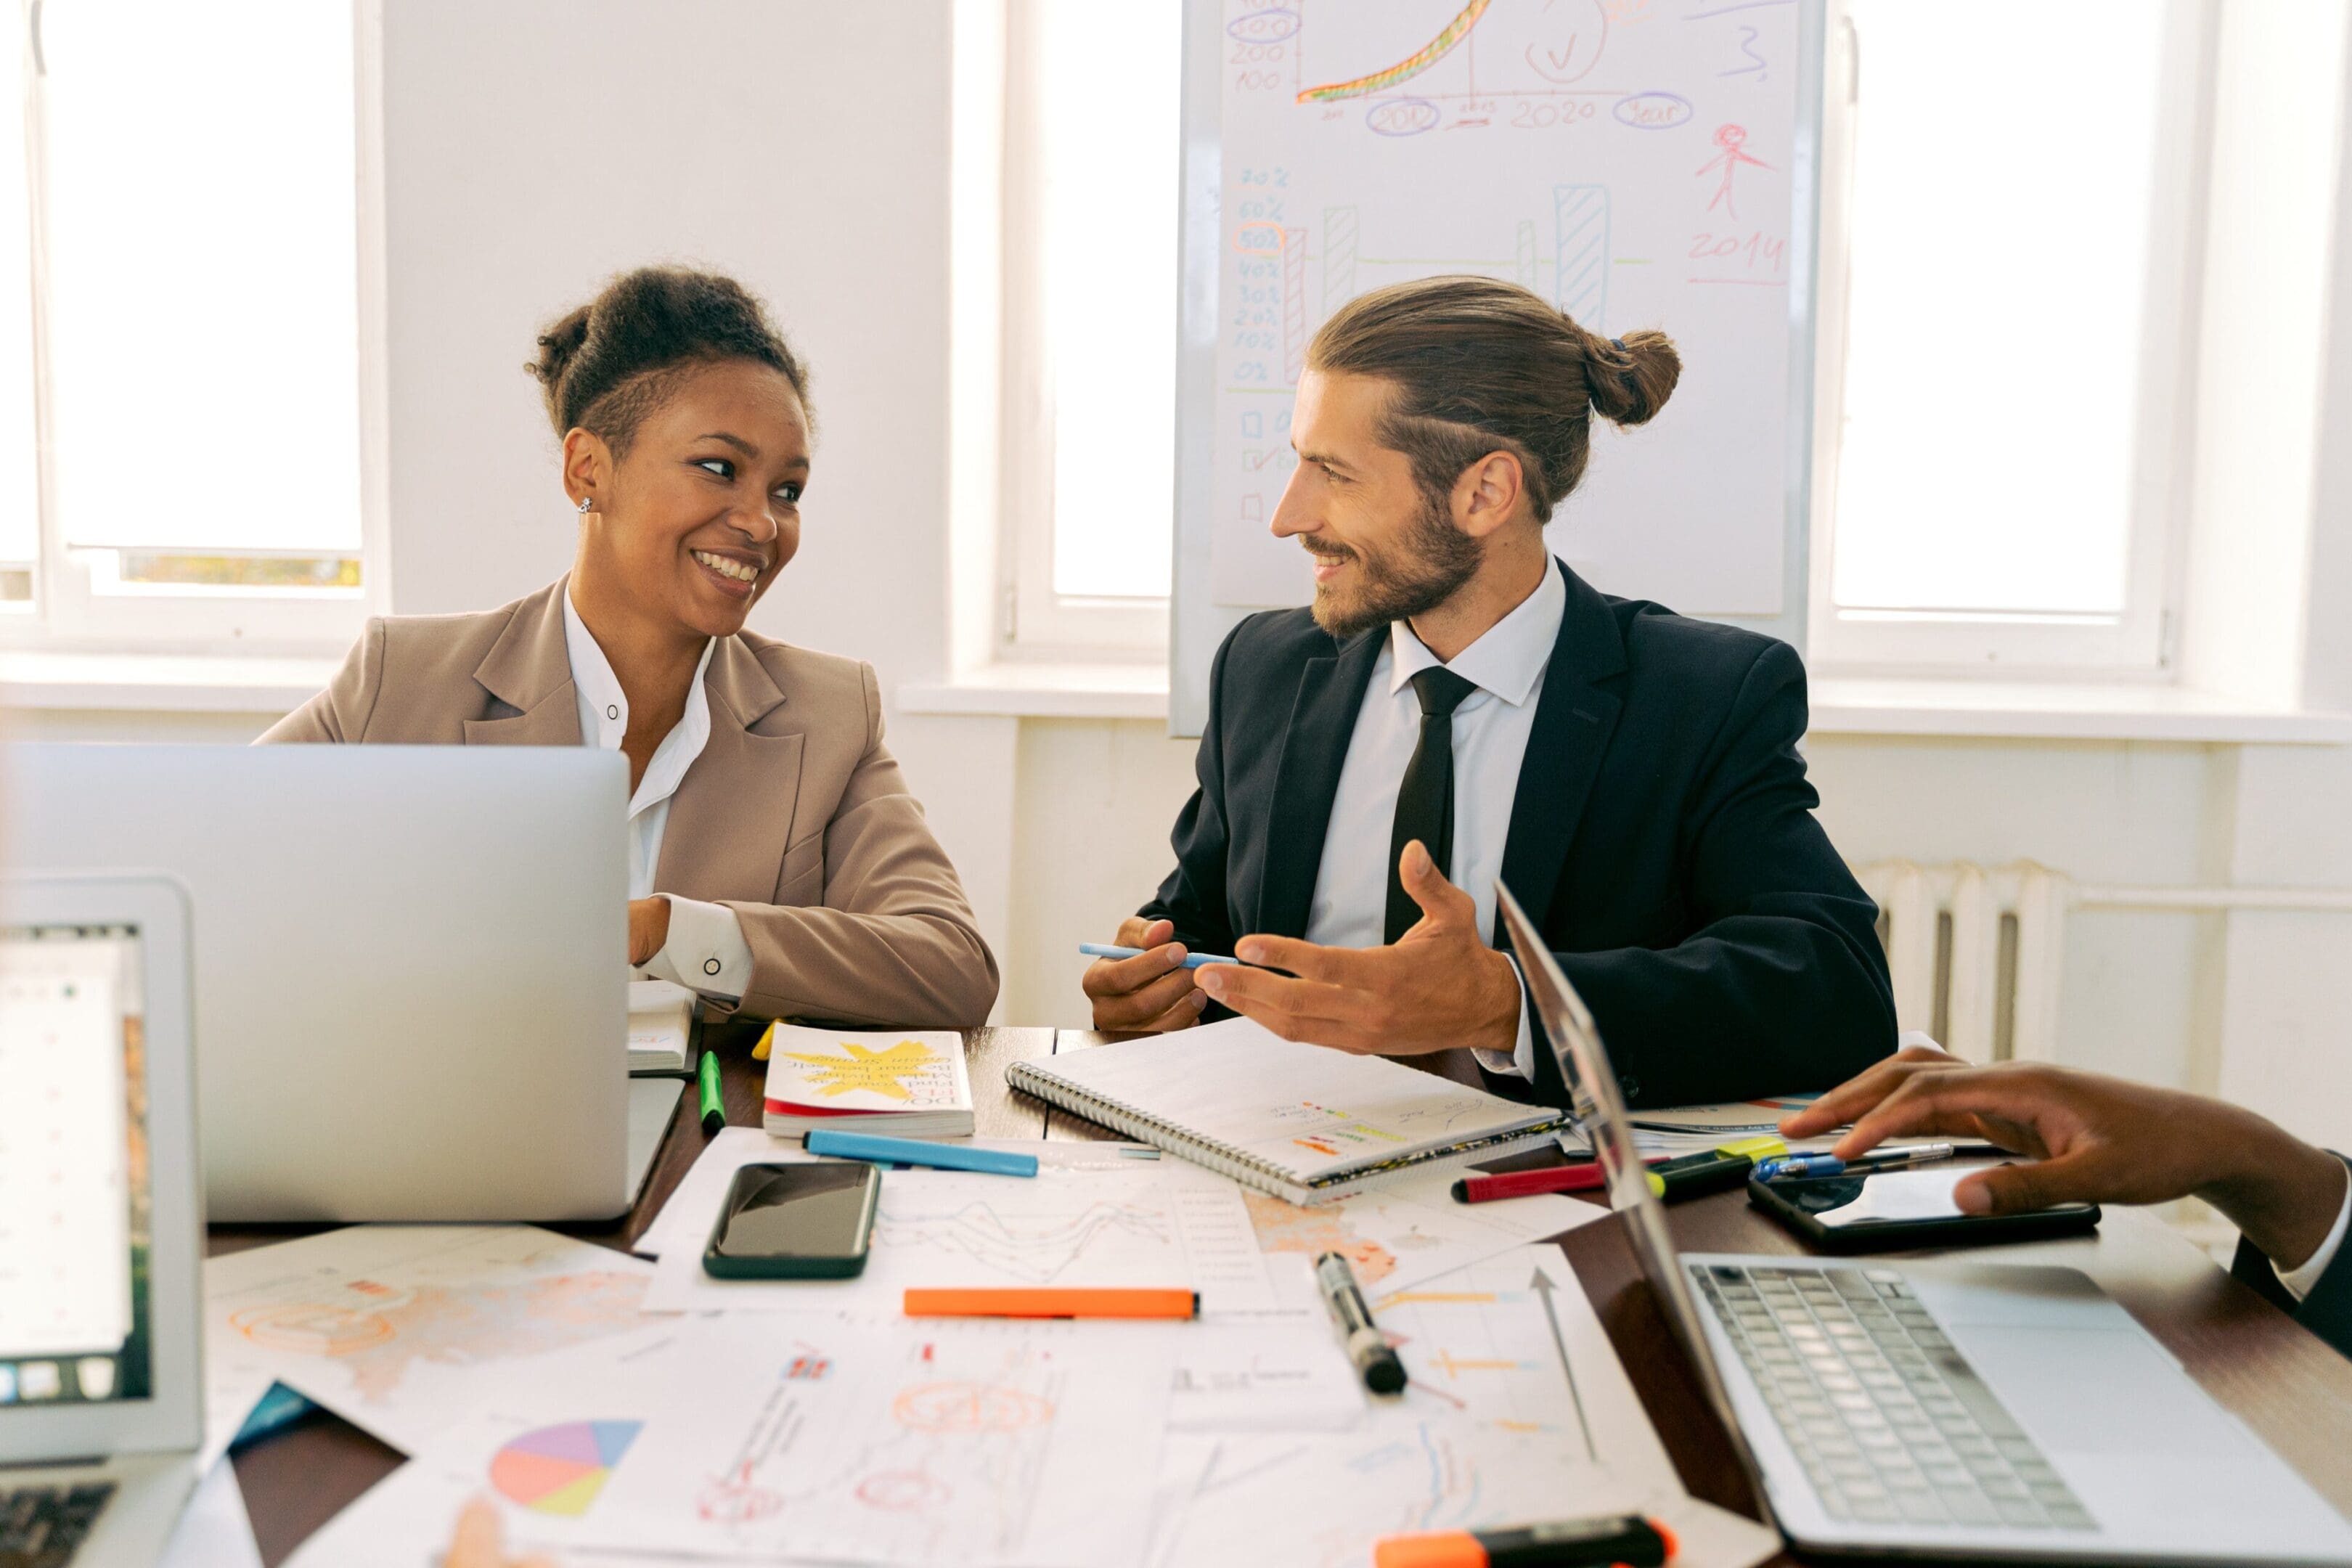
2300	1281
1490	738
705	950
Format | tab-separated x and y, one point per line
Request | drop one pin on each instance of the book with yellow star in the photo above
906	1083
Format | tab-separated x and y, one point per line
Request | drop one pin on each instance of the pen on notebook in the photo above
915	1152
1367	1347
1191	961
1108	1301
1831	1165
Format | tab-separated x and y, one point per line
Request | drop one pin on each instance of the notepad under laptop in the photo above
1302	1123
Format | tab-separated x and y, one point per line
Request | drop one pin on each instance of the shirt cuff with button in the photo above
706	951
2299	1281
1522	1059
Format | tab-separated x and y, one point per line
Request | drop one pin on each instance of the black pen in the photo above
1366	1345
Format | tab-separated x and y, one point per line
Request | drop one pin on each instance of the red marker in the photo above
1585	1177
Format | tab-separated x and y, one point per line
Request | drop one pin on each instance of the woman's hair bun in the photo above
608	364
1629	378
558	347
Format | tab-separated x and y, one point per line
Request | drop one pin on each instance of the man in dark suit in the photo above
2104	1140
1457	706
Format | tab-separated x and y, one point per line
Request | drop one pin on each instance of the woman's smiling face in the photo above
696	519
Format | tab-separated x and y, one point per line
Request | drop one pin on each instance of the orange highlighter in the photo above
1627	1540
1021	1303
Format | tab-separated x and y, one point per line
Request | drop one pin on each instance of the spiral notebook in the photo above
1305	1123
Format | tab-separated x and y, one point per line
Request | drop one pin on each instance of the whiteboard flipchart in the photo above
1636	163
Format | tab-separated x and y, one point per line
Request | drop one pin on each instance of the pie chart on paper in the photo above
559	1470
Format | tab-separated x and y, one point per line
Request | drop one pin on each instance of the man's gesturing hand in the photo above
1438	986
2094	1139
1152	991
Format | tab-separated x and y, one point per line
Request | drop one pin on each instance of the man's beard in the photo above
1420	572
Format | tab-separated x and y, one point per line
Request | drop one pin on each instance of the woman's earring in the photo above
586	502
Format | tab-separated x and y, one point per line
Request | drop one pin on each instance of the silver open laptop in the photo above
102	1396
411	965
1944	1409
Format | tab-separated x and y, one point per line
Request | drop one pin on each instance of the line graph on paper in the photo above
1158	1225
1034	1249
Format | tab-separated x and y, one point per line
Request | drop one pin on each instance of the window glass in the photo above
1112	94
1999	236
199	193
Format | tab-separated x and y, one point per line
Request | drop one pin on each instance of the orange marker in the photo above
1011	1303
1627	1540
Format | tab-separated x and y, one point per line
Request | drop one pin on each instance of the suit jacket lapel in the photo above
1574	719
1314	749
528	671
732	818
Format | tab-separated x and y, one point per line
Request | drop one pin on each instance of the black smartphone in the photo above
796	1221
1880	1211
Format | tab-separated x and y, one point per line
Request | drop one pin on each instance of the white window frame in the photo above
80	603
2139	642
1033	621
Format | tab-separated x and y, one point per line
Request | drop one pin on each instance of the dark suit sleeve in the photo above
1193	895
2326	1312
1781	984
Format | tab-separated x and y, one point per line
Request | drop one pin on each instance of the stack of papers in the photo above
902	1085
660	1015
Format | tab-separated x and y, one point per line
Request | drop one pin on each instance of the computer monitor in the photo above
99	1222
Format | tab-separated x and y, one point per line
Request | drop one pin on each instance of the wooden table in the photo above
2294	1390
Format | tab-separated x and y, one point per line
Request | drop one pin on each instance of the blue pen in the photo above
1799	1166
915	1151
1191	961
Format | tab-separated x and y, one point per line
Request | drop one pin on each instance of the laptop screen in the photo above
76	1204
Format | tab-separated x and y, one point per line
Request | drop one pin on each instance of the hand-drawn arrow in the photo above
1543	1287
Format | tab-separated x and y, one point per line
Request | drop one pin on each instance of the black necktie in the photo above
1425	808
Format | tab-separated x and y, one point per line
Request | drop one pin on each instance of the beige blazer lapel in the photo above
730	821
529	670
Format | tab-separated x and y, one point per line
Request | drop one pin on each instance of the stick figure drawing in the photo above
1733	140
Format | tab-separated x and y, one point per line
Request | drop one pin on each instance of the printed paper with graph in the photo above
1516	1410
393	1326
816	1435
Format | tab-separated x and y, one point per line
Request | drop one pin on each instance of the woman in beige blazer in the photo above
795	875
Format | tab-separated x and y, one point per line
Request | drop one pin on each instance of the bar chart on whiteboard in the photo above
1632	161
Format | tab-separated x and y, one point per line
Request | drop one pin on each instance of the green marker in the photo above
714	1112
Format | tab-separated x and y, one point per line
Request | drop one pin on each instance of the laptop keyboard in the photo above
42	1527
1890	1422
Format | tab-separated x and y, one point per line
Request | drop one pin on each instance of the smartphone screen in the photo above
798	1211
1884	1197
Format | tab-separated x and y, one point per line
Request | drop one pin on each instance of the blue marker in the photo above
1191	961
1799	1165
915	1152
1789	1166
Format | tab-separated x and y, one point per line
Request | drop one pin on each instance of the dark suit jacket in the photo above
2326	1312
1662	837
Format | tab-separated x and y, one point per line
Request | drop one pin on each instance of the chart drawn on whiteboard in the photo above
1620	160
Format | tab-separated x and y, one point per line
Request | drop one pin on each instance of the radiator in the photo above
1977	952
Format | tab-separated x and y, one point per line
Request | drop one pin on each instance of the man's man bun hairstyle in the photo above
607	364
1480	365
